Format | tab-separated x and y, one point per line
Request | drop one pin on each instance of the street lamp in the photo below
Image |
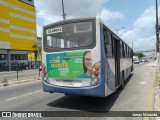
119	29
157	29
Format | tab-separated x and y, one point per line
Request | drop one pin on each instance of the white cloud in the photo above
143	31
75	8
47	18
51	10
147	43
39	30
147	19
107	15
131	35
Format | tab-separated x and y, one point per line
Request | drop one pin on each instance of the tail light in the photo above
96	67
95	74
44	72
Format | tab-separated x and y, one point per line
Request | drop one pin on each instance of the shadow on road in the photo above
84	103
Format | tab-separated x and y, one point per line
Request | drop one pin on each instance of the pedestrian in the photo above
40	67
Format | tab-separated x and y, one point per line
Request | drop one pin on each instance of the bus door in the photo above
116	45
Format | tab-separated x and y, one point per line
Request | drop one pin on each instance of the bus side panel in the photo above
127	73
126	64
108	68
98	90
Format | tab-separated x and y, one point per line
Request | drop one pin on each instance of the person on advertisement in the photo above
87	65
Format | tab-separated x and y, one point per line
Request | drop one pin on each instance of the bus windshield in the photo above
71	35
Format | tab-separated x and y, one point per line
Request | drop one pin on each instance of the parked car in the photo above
136	61
145	60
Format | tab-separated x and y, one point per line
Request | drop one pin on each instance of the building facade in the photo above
17	32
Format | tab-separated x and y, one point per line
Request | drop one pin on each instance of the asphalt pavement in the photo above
136	96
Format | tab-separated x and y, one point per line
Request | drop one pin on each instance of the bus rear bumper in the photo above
86	91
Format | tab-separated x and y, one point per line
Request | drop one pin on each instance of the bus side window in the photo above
108	43
126	51
121	49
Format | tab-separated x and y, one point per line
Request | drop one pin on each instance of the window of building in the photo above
3	57
12	57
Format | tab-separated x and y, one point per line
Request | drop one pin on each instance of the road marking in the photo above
24	95
150	98
142	83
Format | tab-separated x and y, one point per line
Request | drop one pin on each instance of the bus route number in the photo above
54	30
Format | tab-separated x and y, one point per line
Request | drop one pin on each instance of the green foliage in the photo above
5	82
38	48
140	55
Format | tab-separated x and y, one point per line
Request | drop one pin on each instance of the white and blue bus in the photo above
84	57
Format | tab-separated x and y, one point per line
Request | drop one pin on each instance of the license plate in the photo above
68	82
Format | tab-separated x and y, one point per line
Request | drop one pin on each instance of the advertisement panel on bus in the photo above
69	65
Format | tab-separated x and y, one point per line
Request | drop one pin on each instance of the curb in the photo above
157	100
22	81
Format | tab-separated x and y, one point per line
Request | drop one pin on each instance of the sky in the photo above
136	16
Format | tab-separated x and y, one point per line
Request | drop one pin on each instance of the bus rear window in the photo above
72	35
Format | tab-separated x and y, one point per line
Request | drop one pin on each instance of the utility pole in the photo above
64	14
157	37
157	29
132	44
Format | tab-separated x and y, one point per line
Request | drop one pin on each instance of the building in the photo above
17	32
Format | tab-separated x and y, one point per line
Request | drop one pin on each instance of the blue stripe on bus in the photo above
87	91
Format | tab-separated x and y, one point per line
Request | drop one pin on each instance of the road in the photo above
136	96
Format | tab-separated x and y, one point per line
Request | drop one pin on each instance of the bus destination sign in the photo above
54	30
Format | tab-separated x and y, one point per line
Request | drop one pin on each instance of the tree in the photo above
140	55
38	48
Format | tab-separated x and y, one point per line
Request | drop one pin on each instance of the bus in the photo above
84	57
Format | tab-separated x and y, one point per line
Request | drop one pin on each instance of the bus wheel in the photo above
122	80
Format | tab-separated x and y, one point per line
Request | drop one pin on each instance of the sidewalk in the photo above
12	77
22	81
157	91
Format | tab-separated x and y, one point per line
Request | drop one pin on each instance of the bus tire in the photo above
122	80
